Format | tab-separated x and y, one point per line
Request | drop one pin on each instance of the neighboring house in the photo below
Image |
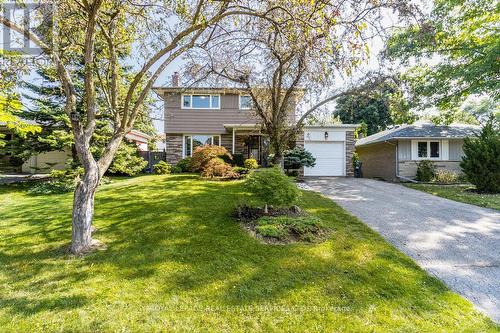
55	160
224	116
141	139
394	154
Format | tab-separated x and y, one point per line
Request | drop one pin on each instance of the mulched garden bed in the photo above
281	225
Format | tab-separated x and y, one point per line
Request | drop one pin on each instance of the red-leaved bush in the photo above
202	155
217	168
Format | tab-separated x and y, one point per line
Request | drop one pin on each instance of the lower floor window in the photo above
191	142
428	149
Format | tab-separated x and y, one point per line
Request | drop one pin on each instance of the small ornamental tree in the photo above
202	155
481	163
298	157
272	187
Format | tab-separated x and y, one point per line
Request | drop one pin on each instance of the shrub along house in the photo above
225	116
394	154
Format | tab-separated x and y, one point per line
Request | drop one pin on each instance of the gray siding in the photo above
456	151
404	150
193	121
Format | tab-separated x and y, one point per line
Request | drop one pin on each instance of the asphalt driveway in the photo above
456	242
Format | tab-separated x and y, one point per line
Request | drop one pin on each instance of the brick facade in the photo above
378	160
173	148
350	141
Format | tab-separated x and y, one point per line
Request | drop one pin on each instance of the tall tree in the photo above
456	49
310	44
377	107
46	108
98	33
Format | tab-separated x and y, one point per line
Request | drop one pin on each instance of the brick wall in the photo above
409	168
378	161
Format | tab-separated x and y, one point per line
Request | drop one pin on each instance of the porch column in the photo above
234	137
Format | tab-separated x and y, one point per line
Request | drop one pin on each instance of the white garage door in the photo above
329	158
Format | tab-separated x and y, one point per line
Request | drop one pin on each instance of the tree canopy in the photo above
377	107
456	50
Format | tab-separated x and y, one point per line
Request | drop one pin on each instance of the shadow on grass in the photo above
179	231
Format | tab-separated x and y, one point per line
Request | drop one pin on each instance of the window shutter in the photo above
445	150
414	149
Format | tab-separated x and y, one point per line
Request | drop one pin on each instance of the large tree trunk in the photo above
83	211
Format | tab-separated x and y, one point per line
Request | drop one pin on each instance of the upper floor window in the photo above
201	101
246	102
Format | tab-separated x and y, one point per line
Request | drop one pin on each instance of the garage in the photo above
328	146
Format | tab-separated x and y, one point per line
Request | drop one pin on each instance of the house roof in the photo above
332	126
422	129
137	136
209	90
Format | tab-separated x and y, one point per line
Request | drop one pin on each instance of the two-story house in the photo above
224	116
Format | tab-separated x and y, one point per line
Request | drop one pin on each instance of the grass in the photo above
462	193
176	261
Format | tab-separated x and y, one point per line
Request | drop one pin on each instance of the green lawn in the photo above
176	261
462	193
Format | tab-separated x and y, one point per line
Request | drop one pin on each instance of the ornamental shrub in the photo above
217	168
426	171
238	160
481	161
176	169
272	186
162	168
202	155
183	164
298	157
446	177
251	163
60	181
127	161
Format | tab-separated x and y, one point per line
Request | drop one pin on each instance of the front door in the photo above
254	150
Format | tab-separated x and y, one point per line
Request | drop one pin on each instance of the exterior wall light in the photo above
326	135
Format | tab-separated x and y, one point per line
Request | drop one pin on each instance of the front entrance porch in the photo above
246	140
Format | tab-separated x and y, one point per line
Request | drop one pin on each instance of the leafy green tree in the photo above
481	161
482	109
10	104
462	39
100	34
377	108
454	115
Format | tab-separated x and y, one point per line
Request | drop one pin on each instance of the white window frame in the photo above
239	102
184	155
191	102
428	157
